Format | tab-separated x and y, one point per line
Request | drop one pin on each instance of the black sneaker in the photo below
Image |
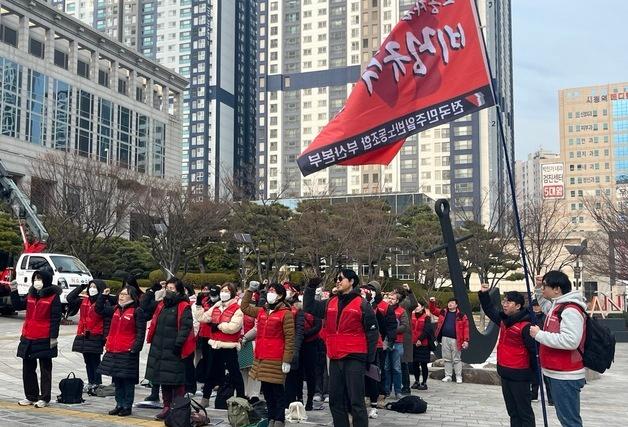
124	412
115	411
415	386
422	387
151	398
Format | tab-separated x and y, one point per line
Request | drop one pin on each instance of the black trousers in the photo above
125	392
92	360
308	369
207	357
29	378
420	369
225	358
346	392
518	403
322	378
293	379
405	376
548	391
190	374
375	388
275	397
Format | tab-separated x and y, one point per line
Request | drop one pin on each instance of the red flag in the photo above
430	70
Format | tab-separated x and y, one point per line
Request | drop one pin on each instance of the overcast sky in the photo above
559	44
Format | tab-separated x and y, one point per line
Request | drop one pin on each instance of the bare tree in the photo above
87	202
546	229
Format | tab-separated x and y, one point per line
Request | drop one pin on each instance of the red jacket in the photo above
346	336
462	324
398	313
418	326
190	342
122	331
205	329
511	350
89	320
270	341
37	322
559	359
225	316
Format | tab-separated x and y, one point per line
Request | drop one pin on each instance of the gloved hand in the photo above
385	345
177	350
285	367
156	287
243	341
200	298
160	294
53	342
314	282
254	286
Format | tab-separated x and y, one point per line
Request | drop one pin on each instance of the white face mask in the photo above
214	299
38	284
225	296
300	298
92	292
271	298
289	294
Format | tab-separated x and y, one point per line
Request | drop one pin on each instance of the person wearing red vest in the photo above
274	349
562	343
294	379
387	325
516	354
124	344
209	295
172	340
351	331
394	350
452	331
225	319
423	342
91	331
39	336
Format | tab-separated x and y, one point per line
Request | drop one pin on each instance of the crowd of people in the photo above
354	347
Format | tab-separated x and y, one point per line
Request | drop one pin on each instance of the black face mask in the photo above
170	294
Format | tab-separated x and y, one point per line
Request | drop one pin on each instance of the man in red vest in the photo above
562	343
350	333
516	354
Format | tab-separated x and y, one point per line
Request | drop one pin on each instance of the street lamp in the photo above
578	251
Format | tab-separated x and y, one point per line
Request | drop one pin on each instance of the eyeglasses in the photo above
339	279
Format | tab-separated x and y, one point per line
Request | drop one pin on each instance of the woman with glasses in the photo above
124	344
351	332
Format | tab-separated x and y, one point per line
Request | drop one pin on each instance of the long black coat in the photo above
123	365
40	348
165	365
88	342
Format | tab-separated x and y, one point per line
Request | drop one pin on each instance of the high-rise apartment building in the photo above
311	52
213	43
528	176
594	147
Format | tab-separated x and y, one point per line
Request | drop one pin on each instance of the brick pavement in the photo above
603	401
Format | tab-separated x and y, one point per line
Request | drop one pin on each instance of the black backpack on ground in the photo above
180	413
71	390
408	405
599	343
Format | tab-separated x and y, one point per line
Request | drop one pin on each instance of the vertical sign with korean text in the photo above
430	70
552	175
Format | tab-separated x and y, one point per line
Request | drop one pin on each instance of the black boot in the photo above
115	411
124	412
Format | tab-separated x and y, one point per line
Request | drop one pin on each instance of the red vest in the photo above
204	329
225	317
37	322
398	313
418	325
248	323
511	350
558	359
122	331
309	324
89	320
382	309
270	341
346	336
190	342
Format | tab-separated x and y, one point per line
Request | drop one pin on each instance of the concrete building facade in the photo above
528	179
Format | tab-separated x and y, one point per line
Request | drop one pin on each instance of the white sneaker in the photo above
317	398
41	404
373	413
447	379
25	402
458	380
326	400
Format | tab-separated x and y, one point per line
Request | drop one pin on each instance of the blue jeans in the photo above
393	368
566	395
125	392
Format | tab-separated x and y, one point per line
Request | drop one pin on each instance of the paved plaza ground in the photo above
604	401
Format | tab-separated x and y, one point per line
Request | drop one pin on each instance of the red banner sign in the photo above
430	70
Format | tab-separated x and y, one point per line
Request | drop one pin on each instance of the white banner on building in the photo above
552	175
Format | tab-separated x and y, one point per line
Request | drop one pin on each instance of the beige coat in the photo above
231	327
270	370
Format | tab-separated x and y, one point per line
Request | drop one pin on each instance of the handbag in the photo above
71	390
180	413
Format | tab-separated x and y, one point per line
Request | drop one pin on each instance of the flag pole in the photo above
502	137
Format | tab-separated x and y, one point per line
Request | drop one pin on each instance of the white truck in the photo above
68	272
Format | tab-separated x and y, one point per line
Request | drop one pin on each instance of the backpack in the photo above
71	390
239	412
180	413
408	405
599	342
